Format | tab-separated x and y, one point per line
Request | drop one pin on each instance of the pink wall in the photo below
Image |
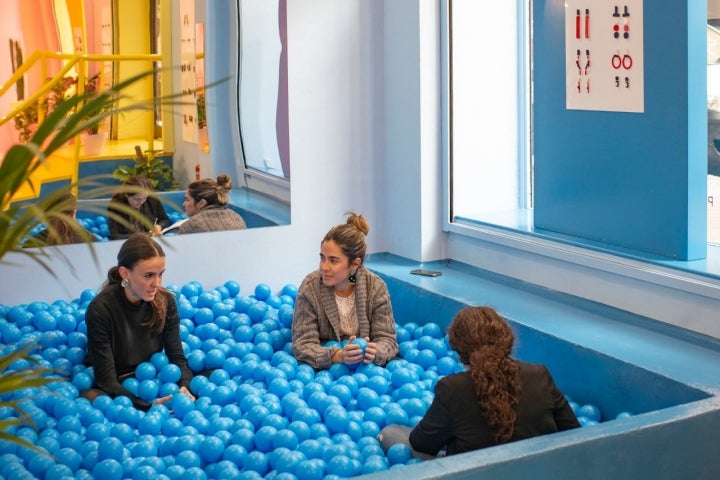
32	24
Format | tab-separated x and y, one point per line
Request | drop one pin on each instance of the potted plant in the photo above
93	140
202	123
27	120
77	113
149	164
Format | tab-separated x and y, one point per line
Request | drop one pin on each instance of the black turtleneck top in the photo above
118	341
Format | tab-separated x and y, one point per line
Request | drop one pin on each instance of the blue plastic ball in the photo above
399	454
336	419
362	343
208	299
590	412
262	291
257	311
181	405
289	290
148	390
233	288
87	295
203	315
256	461
211	449
374	463
343	466
110	448
145	371
170	373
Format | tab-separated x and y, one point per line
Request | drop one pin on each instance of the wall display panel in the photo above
604	67
187	76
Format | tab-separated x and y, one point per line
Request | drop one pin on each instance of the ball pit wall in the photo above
617	362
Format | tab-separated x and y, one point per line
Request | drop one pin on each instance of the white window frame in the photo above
516	230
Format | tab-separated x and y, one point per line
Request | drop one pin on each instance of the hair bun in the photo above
224	181
359	222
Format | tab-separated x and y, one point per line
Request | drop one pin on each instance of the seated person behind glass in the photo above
206	206
122	224
61	229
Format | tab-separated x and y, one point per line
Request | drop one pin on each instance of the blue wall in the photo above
632	180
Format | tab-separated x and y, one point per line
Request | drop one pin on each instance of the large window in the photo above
490	169
262	96
489	111
262	87
713	87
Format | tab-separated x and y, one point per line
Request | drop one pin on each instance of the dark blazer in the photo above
152	209
455	418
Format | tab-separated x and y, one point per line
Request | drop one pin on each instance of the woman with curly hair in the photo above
496	400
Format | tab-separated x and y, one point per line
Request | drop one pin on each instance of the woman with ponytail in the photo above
132	318
495	400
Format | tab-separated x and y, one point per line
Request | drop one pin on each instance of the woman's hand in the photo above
187	392
349	354
161	400
370	351
167	398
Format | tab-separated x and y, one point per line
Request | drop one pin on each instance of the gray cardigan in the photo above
316	319
213	218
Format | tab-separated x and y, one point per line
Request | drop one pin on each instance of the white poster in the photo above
604	56
106	44
187	70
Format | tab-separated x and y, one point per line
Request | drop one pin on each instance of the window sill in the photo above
515	229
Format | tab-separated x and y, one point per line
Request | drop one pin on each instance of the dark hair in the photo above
138	247
350	236
60	231
212	191
484	341
137	182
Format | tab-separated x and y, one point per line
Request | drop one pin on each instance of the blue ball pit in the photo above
258	412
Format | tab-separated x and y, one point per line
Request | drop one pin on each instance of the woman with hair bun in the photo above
206	206
343	301
496	400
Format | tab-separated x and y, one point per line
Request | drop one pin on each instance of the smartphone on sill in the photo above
426	273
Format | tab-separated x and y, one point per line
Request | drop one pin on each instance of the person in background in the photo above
137	198
132	318
60	228
496	400
343	300
206	205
